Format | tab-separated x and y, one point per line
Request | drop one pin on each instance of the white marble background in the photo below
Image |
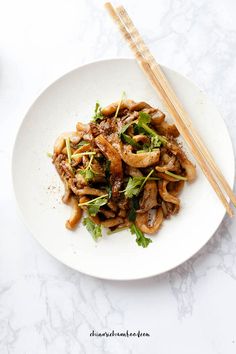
47	308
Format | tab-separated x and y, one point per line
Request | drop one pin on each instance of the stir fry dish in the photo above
123	170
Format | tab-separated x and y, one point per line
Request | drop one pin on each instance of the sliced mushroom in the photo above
60	141
116	164
174	188
91	191
170	166
166	177
67	194
167	129
133	171
189	169
149	198
162	188
112	222
81	127
111	109
142	221
143	138
139	106
157	118
107	213
76	214
139	160
187	165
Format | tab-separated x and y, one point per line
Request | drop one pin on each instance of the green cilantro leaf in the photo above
133	208
133	187
93	208
94	229
97	112
143	121
82	143
155	142
140	238
107	169
88	174
127	139
144	118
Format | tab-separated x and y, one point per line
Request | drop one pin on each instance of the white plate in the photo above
38	188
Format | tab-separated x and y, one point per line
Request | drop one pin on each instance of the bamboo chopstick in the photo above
177	104
147	62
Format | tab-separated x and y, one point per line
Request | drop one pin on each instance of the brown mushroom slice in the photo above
162	188
149	198
139	160
112	205
157	118
112	222
174	188
95	219
76	214
111	109
142	221
67	194
189	168
122	213
60	141
167	129
91	191
81	127
139	106
113	155
170	166
141	137
133	171
107	213
166	177
187	165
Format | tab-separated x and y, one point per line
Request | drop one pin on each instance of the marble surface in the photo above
47	308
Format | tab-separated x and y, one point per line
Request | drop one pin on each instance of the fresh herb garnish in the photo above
134	206
97	112
93	208
88	172
143	121
95	204
75	156
49	155
94	229
119	104
82	143
144	118
140	238
155	142
109	190
68	149
125	127
176	176
135	185
107	169
127	139
93	200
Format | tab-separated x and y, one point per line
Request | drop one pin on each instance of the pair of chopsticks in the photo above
181	118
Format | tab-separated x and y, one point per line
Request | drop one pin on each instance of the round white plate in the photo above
38	188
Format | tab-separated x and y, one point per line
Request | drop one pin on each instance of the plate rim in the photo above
19	208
